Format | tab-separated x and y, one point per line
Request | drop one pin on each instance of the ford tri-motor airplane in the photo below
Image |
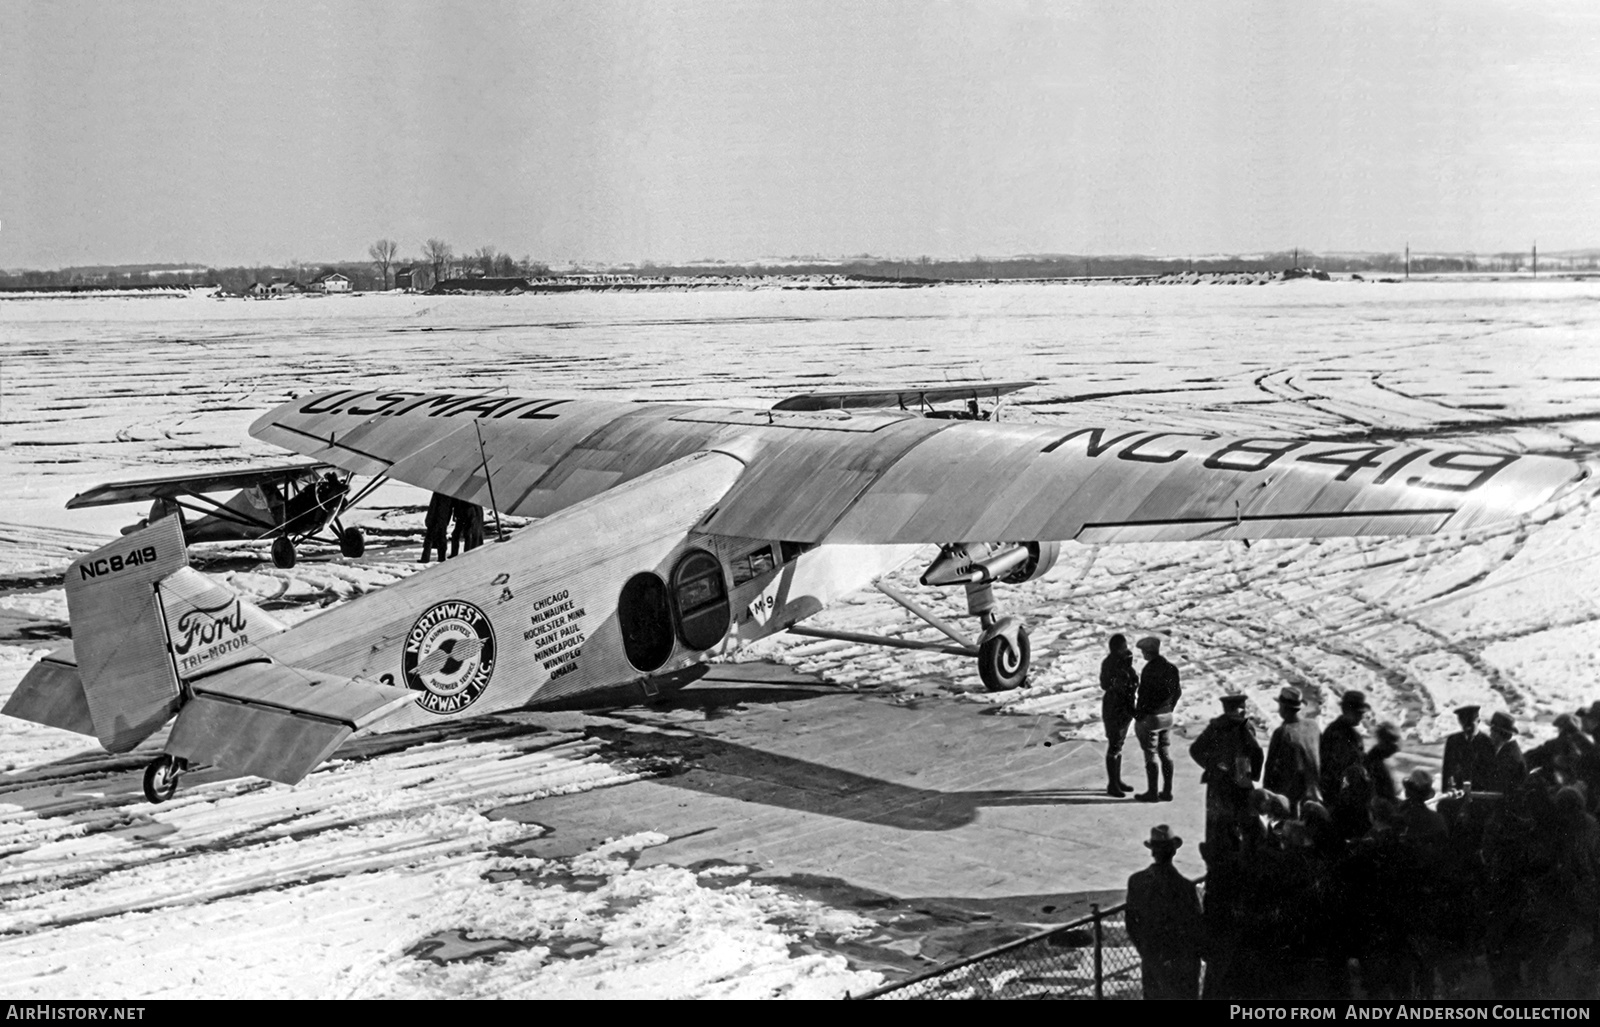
666	534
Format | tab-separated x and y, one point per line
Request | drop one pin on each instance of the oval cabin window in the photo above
646	621
701	596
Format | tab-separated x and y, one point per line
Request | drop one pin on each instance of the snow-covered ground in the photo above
386	874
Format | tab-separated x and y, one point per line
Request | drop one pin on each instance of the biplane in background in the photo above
665	534
289	504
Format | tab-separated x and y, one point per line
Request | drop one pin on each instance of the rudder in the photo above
120	636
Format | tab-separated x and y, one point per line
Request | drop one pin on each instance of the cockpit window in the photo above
752	565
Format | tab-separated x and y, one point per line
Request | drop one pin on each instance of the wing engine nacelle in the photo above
979	562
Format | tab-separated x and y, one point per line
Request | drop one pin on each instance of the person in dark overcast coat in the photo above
1468	754
1341	746
1230	761
436	528
1120	683
1294	764
1164	922
1507	769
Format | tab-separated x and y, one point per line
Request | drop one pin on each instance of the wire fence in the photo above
1089	958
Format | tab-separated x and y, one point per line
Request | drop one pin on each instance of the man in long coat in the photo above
1507	769
1164	922
1468	753
1230	759
1120	683
1293	767
1341	746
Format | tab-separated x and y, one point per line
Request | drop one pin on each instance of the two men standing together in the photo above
1145	700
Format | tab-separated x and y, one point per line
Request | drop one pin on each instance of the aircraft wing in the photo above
887	478
275	721
906	398
171	487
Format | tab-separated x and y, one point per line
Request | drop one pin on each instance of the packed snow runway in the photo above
442	862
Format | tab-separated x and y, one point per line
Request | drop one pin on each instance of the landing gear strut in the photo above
161	777
1003	651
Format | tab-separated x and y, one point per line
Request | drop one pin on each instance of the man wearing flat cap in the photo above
1468	753
1230	760
1507	769
1164	923
1152	711
1293	767
1341	746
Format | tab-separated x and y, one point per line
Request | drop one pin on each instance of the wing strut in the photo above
488	480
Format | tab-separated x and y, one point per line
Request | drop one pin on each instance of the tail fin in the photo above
143	622
119	633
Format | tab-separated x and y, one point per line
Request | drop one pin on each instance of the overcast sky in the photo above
631	130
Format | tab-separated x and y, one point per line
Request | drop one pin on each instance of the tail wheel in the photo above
161	778
283	552
1001	666
352	543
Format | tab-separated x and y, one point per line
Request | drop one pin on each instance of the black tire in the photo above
1001	667
160	779
352	543
282	553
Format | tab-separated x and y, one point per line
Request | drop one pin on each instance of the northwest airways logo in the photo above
449	656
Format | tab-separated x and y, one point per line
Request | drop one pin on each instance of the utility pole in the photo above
1536	258
1408	261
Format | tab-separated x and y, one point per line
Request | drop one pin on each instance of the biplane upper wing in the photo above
909	397
885	478
175	486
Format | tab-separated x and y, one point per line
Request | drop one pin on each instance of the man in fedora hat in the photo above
1293	767
1158	697
1468	753
1230	760
1341	746
1163	920
1120	683
1507	769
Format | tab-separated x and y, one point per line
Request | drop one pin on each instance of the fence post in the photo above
1099	964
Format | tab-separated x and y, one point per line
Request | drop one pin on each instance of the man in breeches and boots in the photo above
1230	759
1164	922
1120	683
1158	697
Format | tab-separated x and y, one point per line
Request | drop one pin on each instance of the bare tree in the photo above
437	253
383	254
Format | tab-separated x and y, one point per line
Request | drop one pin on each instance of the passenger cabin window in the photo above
753	565
701	596
646	620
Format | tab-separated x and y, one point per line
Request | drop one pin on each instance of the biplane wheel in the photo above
161	778
352	543
1001	666
282	553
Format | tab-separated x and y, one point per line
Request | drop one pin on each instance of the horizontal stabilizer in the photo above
905	398
142	490
51	693
275	721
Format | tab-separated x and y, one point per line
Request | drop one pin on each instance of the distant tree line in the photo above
438	261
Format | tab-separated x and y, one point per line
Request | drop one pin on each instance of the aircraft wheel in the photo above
1002	667
282	553
352	543
161	778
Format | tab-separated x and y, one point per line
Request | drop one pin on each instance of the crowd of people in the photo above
1326	877
467	533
